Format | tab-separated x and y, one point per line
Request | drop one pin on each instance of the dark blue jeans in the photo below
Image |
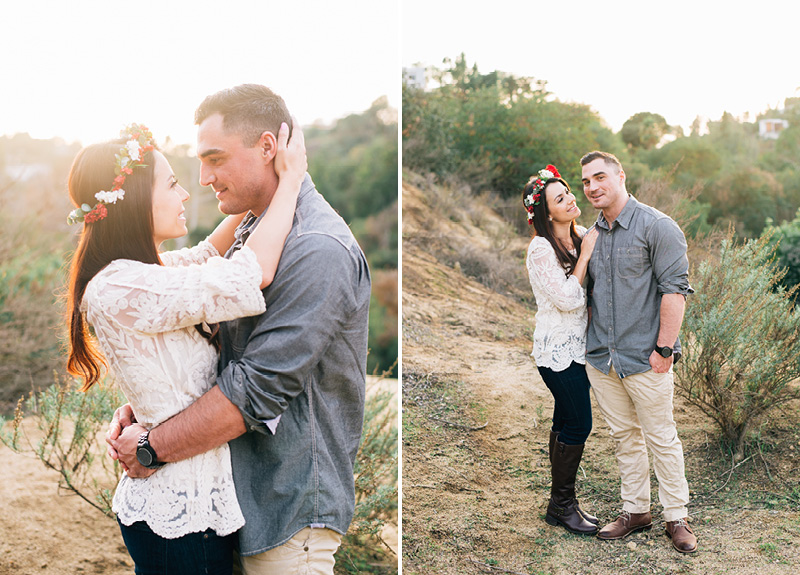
192	554
572	414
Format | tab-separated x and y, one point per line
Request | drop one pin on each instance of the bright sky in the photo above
680	59
83	69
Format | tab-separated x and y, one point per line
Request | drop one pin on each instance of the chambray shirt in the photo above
634	262
304	360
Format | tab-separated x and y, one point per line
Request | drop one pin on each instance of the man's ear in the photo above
268	144
622	176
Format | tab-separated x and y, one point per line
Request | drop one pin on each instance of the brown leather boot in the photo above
683	538
563	507
588	516
626	524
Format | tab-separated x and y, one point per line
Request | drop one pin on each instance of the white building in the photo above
414	77
771	129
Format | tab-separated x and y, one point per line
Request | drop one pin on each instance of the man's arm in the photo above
671	318
208	423
306	310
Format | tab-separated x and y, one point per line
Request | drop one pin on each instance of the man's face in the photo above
237	173
603	185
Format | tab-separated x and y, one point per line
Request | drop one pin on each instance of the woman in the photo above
151	314
557	260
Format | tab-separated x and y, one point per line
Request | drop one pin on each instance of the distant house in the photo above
770	129
414	77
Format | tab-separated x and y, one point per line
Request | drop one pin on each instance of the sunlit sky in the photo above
81	70
680	59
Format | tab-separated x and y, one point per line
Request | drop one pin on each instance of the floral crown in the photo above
538	181
131	155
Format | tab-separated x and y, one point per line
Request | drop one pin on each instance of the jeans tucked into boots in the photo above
588	516
563	507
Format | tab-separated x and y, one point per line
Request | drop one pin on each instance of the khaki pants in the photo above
638	409
310	552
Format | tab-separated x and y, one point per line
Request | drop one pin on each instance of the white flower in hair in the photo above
110	197
529	199
545	174
133	150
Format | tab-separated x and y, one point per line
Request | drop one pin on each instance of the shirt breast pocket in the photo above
631	261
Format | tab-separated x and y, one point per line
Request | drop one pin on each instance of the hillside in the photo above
476	418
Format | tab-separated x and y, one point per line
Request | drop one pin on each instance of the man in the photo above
290	385
640	273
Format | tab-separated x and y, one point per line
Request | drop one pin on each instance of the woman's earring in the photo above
550	218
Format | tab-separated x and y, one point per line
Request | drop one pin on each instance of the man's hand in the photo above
123	417
659	363
125	446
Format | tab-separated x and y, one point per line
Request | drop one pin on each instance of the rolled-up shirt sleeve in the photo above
307	305
668	254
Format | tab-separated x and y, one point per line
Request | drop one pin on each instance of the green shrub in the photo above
742	340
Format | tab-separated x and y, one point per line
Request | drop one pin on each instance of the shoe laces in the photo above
680	523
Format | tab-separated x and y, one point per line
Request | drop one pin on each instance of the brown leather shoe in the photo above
626	524
683	538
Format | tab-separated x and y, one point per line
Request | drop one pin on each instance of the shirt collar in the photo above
625	216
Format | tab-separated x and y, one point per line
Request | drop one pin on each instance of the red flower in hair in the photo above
552	168
98	213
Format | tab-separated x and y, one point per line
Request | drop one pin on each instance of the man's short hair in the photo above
248	110
609	159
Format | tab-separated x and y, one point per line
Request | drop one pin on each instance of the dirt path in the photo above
46	532
475	470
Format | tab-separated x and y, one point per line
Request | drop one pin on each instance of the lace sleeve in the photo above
152	299
546	274
187	256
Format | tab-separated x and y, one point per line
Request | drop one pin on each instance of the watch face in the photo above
665	351
144	456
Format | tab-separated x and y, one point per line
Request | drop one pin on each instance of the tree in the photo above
644	130
785	239
746	197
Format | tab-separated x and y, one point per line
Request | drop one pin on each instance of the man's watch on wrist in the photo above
145	453
664	352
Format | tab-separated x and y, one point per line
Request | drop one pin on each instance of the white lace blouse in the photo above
144	317
560	334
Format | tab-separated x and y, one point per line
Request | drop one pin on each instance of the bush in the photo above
70	426
742	340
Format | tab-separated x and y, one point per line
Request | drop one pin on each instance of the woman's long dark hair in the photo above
543	227
125	233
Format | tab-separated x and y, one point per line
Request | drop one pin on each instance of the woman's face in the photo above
561	203
168	197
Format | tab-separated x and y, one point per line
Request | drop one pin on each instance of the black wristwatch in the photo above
145	452
665	351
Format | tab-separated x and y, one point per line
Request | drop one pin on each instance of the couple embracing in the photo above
243	358
619	337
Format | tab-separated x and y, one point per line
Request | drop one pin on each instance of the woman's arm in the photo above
269	236
587	246
222	237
